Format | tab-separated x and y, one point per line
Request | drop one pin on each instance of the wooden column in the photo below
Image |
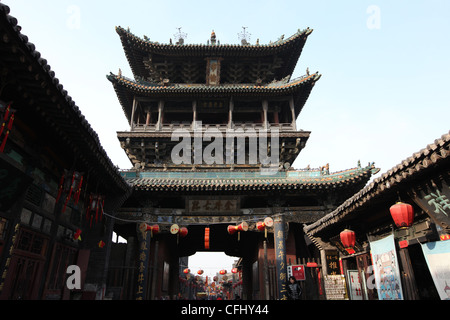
133	111
410	290
292	106
280	256
275	117
160	114
265	106
194	113
266	272
155	271
147	120
230	113
144	238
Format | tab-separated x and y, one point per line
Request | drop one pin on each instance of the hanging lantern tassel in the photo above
96	203
11	119
100	203
70	192
5	118
78	192
60	189
96	209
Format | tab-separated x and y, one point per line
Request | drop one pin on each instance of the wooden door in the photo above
25	271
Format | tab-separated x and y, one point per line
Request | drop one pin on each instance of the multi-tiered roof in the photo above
224	86
227	87
186	63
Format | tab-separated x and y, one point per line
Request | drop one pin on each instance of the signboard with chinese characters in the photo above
298	271
436	202
335	287
212	206
332	258
144	248
280	256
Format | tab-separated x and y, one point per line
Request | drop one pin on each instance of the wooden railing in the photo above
221	127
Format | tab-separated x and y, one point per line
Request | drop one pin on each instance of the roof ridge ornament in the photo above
213	38
244	37
180	36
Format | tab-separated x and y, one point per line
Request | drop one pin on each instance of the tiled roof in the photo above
277	87
59	106
223	181
126	89
138	49
151	46
434	154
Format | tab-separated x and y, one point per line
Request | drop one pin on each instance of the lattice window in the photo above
32	242
34	195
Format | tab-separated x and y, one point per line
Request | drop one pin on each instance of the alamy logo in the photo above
74	280
263	147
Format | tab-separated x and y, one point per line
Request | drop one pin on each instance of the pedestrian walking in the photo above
293	289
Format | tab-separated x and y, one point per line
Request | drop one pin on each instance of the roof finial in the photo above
180	36
244	36
213	38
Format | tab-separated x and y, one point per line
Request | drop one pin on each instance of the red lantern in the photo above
206	238
155	229
234	270
183	232
186	271
69	184
95	207
222	271
402	214
348	239
200	271
143	227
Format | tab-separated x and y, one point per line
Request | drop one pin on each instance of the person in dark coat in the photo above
293	289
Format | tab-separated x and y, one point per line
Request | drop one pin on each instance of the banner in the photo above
437	255
386	269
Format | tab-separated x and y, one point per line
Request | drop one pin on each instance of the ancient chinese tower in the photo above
207	122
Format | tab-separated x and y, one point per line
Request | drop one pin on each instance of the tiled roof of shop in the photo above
434	154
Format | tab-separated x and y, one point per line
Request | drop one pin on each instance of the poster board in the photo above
386	269
335	287
437	255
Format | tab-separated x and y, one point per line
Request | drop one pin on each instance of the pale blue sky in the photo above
384	92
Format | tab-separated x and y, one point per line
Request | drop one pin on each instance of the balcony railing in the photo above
221	127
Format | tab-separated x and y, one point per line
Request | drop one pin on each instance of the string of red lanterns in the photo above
402	214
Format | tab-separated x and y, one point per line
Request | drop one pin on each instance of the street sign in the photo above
298	271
